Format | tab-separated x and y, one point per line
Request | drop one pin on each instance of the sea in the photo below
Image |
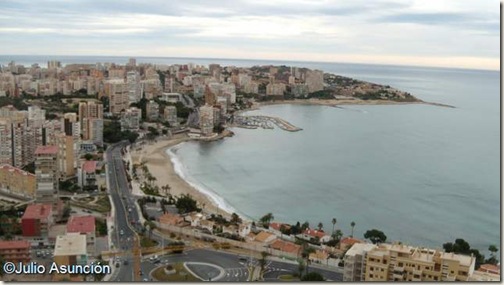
423	174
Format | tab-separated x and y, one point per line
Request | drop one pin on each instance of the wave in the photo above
181	171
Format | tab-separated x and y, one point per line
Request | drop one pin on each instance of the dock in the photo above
264	122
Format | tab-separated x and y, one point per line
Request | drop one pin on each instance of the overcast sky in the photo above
449	33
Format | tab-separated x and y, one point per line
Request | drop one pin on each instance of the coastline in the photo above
337	102
164	165
161	165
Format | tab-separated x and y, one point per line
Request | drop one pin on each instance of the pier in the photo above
265	122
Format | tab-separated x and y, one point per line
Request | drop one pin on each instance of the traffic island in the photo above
173	273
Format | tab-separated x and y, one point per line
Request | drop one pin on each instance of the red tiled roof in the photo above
277	226
47	149
89	166
285	246
489	268
314	233
14	244
350	241
83	224
37	211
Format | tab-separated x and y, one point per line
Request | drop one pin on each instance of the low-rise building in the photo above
398	262
84	225
87	174
15	251
36	220
17	182
70	249
315	236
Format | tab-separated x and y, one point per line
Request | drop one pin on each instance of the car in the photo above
122	232
38	253
117	264
146	280
125	262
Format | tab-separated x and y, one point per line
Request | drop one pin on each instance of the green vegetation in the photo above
375	236
147	242
287	277
462	247
186	204
266	219
313	276
17	102
180	275
112	133
383	94
322	94
101	227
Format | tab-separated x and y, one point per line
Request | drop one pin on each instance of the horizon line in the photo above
263	59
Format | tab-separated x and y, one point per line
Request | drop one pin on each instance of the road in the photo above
234	266
123	235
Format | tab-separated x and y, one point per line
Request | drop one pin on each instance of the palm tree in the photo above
333	224
263	261
352	224
320	226
307	250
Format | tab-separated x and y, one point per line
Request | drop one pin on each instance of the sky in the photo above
441	33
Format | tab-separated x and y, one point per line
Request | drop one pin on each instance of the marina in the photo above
264	122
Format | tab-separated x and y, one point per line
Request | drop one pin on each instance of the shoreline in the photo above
162	167
168	169
337	102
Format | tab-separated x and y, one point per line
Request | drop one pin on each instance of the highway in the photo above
123	235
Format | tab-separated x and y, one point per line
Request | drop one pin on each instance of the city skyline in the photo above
446	34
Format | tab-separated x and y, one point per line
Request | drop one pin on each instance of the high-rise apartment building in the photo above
130	119
152	110
315	80
170	115
206	120
66	155
117	92
47	175
134	88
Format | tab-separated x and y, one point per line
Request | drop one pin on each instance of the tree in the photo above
263	261
307	250
88	156
266	219
375	236
235	219
333	225
313	276
338	234
186	204
301	266
352	224
493	258
320	226
460	246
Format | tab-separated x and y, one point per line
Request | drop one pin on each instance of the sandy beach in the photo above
160	166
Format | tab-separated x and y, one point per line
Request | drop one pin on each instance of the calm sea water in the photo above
423	174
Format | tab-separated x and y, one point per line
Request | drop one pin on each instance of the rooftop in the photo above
47	149
89	166
70	244
314	233
37	211
82	224
263	236
360	248
14	244
19	171
286	246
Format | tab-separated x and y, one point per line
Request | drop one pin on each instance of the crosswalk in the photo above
236	274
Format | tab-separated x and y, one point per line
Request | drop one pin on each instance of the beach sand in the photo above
160	166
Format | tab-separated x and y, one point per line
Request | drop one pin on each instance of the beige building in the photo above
88	113
206	120
66	155
398	262
47	175
355	262
70	249
17	182
275	89
314	80
117	92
